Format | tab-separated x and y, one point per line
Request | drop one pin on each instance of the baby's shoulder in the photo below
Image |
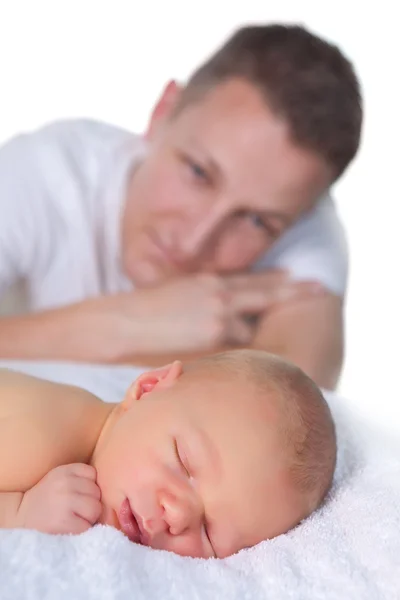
42	425
22	394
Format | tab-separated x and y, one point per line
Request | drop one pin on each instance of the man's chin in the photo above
151	276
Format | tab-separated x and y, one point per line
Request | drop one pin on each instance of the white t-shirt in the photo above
62	189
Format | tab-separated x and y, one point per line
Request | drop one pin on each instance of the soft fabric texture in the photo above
350	548
62	189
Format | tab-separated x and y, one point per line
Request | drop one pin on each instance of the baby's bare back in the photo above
43	425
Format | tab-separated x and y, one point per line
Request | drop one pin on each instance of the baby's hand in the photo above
66	500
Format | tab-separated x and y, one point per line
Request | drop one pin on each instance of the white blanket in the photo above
349	549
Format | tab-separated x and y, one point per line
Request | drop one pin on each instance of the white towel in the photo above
349	549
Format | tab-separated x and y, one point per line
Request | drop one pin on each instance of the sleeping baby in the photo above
201	459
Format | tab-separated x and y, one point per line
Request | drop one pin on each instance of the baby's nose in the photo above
181	514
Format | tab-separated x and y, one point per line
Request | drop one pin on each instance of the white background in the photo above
110	59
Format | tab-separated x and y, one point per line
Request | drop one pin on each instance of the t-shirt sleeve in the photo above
22	235
314	248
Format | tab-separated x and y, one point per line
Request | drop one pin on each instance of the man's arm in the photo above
309	333
189	315
94	330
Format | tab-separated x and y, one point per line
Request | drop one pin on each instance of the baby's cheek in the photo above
141	475
149	468
145	474
142	485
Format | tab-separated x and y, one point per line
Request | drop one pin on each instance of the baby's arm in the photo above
9	507
66	500
47	433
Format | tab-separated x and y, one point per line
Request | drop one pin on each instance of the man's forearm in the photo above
112	330
9	506
324	367
46	335
81	332
309	334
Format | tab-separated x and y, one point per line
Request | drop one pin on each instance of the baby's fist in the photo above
66	500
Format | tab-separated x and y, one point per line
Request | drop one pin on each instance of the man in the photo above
206	233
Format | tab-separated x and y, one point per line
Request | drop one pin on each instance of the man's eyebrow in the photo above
205	156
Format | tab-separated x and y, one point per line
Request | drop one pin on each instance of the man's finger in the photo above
266	279
239	333
259	300
300	289
251	301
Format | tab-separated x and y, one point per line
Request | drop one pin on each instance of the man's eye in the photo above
261	223
198	171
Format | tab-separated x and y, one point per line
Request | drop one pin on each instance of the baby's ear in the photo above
156	379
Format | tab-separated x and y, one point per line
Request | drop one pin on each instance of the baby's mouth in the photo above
129	524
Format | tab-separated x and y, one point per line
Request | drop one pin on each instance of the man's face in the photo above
222	180
198	469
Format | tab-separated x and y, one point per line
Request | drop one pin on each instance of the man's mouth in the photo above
129	524
164	253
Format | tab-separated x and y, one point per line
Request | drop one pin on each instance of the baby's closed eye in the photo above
182	460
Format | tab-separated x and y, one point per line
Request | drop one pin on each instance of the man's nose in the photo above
201	230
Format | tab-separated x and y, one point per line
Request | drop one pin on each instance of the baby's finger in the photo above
87	508
77	524
83	470
85	486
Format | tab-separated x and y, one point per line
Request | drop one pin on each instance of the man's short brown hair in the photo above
304	79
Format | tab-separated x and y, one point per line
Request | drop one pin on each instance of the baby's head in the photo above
217	455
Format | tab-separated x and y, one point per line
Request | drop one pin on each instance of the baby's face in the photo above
196	468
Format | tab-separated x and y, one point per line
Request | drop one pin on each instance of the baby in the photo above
201	459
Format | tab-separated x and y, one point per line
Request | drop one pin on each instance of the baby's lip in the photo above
130	523
144	535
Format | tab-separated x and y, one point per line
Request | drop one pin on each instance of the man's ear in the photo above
163	107
157	379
